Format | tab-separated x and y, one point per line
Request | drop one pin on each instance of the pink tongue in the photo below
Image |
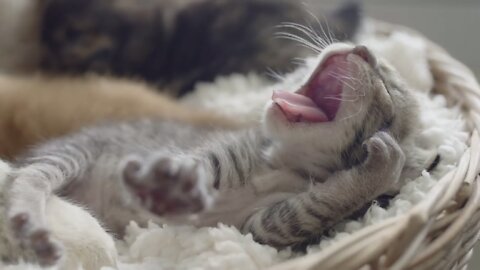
298	108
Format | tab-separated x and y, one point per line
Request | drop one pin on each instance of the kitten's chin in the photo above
299	136
274	121
277	125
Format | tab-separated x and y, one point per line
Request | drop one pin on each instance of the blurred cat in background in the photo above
175	44
36	109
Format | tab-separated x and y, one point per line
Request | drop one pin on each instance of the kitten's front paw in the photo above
384	157
46	250
168	186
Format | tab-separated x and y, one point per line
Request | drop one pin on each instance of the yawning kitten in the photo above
321	153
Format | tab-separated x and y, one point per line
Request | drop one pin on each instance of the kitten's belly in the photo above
235	206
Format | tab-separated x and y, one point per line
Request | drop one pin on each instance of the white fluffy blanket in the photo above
223	247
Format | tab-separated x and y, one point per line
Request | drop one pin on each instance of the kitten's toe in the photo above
19	224
168	186
385	158
383	152
130	171
38	240
47	250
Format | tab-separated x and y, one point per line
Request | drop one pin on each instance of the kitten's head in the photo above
349	96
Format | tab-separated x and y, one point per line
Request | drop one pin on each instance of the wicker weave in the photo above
439	232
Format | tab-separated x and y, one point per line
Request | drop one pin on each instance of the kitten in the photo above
175	44
35	109
321	153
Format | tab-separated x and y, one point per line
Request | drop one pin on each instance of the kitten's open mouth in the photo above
319	99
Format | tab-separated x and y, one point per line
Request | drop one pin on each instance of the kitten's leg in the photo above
309	214
168	185
178	184
31	185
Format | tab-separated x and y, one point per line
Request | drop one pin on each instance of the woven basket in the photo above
439	232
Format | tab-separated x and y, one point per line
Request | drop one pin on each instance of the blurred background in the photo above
454	24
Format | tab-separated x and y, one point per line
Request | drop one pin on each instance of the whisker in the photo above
304	45
352	95
307	9
346	83
322	40
308	31
347	96
342	99
354	114
299	39
327	33
298	61
274	74
341	76
298	27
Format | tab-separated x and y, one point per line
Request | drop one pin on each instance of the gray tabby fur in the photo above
284	182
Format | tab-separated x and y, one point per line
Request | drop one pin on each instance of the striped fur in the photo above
283	182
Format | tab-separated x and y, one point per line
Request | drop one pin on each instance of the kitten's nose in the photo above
365	54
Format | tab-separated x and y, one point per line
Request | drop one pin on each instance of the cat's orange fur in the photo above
34	109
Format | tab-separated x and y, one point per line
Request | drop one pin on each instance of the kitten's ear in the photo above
346	19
